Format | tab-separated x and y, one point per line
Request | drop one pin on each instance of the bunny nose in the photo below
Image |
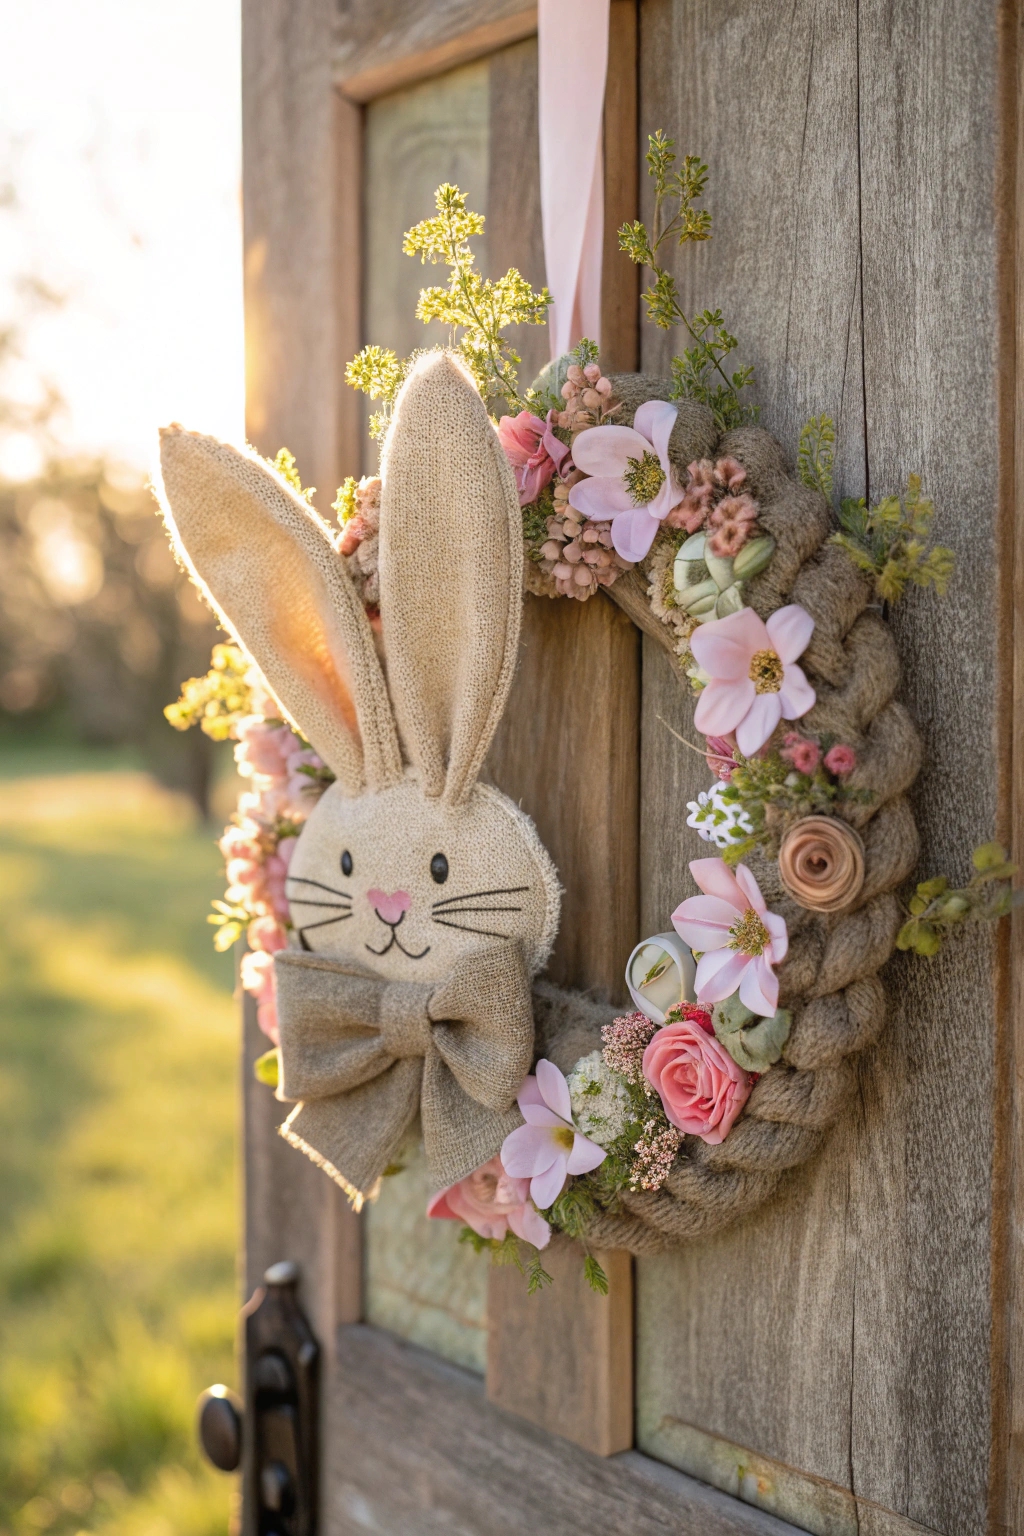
389	908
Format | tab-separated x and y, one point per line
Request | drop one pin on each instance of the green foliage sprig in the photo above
379	373
936	910
284	463
698	373
509	1250
815	454
216	701
772	792
889	542
480	308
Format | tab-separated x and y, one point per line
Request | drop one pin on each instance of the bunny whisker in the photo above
501	890
318	901
301	880
463	911
325	922
488	933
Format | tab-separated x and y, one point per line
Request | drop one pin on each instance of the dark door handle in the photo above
220	1427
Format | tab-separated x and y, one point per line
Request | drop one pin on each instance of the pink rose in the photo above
276	869
699	1084
840	760
491	1203
533	451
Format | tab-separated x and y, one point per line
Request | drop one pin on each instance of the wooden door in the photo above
846	1359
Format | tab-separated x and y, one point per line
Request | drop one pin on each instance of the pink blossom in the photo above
754	680
257	973
730	473
492	1203
533	451
276	874
697	499
633	481
738	939
263	747
548	1148
805	755
721	756
245	872
266	1018
241	842
700	1086
840	760
265	933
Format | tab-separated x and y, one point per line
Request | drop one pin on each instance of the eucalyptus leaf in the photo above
758	1046
730	1015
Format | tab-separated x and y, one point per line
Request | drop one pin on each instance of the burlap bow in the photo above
364	1054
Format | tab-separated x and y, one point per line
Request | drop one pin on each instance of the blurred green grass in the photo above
118	1202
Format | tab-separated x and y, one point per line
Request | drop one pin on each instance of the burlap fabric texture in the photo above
830	978
406	733
366	1055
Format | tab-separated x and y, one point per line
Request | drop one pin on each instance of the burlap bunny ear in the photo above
451	571
267	566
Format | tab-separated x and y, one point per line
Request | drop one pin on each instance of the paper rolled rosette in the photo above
660	973
821	863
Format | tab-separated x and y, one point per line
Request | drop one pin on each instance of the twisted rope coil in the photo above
830	978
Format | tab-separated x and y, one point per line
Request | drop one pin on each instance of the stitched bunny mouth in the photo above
394	939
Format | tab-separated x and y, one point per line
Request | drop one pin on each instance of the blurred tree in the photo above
97	624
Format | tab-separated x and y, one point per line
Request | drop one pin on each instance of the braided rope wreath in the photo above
829	980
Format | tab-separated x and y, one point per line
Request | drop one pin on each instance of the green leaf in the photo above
757	1047
730	1015
537	1276
929	889
595	1275
267	1068
815	454
988	857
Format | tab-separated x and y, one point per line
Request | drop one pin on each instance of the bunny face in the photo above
406	863
403	887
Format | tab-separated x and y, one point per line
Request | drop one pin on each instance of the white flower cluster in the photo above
716	820
600	1100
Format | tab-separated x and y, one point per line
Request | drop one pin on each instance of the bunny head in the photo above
407	862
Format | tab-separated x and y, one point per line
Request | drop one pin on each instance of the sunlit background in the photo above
120	309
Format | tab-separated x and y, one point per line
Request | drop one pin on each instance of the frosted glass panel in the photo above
421	1282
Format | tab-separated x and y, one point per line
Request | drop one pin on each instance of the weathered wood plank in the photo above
620	280
827	137
294	354
567	751
385	46
291	1210
415	1449
1007	1334
563	1358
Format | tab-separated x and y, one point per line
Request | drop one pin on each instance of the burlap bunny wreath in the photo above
830	979
423	901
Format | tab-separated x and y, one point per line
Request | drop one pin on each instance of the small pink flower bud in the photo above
592	373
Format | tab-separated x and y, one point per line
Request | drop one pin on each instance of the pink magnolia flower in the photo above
840	760
633	483
548	1148
492	1203
738	939
754	680
701	1087
533	451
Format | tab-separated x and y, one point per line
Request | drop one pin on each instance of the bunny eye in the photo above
439	868
346	863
